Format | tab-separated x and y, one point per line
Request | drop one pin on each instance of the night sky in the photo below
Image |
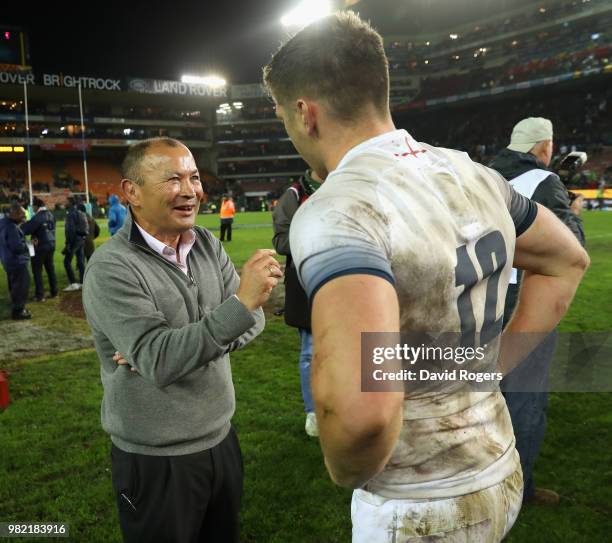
164	40
154	39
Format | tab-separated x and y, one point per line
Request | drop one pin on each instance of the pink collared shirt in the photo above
185	244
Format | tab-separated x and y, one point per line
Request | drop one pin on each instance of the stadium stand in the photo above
462	86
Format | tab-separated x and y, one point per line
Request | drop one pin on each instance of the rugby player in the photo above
404	236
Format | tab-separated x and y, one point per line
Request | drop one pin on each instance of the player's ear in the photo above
307	113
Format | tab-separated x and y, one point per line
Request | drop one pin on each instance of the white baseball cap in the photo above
528	132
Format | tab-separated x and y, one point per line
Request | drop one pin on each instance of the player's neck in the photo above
346	139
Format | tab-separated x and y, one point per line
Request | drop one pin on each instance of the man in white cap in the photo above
524	163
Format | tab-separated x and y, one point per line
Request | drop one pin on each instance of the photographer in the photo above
525	164
297	311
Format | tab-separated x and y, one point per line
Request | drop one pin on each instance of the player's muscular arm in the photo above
554	263
358	430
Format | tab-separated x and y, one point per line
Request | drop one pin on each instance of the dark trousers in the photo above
75	248
226	227
528	409
194	498
18	285
40	259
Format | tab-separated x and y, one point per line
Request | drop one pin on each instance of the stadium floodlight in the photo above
213	81
306	12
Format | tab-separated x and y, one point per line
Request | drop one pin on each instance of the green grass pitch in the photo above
54	457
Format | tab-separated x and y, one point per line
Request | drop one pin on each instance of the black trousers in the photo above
226	227
194	498
19	286
40	259
77	248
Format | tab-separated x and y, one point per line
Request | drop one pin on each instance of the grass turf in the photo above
54	456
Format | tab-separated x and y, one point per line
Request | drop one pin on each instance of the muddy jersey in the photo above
442	229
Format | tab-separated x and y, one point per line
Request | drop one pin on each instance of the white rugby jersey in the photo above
442	229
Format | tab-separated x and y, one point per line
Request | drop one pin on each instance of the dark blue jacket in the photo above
77	226
116	215
14	252
42	229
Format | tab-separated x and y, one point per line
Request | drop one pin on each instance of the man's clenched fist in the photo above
259	276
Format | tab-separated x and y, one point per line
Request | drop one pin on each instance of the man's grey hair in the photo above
130	167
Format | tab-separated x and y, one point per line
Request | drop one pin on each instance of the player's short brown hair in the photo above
339	59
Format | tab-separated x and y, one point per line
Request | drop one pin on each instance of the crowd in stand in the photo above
258	149
17	129
102	110
582	121
254	133
510	72
474	62
403	53
261	166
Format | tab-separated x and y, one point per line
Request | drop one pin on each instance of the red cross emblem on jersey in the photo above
413	152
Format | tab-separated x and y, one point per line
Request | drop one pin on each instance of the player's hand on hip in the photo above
259	276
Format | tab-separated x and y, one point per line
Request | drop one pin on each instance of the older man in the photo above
524	163
164	294
404	236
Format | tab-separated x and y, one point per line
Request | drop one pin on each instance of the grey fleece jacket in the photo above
177	331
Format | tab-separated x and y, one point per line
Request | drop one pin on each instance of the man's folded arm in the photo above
119	306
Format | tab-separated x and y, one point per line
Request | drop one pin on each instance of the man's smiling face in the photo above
168	198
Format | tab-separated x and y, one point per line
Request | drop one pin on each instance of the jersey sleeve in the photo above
333	235
522	210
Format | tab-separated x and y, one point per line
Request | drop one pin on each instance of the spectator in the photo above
42	229
601	195
15	256
77	230
228	210
116	214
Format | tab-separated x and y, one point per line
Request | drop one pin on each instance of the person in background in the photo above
94	232
42	229
525	164
297	311
228	210
116	214
77	230
15	257
601	195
